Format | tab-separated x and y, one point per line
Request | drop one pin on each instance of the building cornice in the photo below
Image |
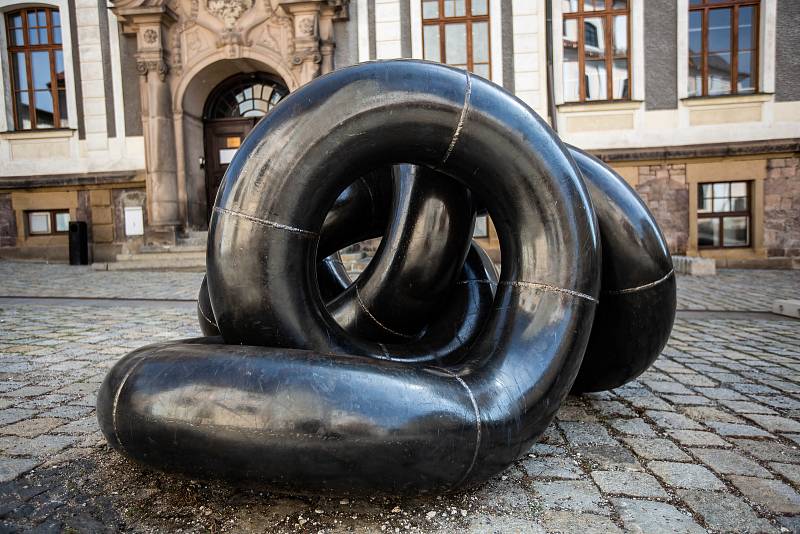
713	150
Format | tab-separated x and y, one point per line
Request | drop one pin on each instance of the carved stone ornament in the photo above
306	26
143	66
228	11
150	36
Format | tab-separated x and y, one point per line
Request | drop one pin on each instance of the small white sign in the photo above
134	220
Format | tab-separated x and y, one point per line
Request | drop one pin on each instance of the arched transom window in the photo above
245	96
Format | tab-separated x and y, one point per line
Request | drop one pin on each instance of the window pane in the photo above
620	36
571	76
745	83
695	32
455	8
722	190
15	20
56	17
33	34
482	69
746	33
62	222
44	109
620	80
40	70
594	38
595	79
593	5
57	35
62	108
455	44
20	74
738	203
23	110
39	222
480	7
431	38
480	42
739	189
619	4
708	232
735	230
704	199
719	30
43	36
17	37
430	9
569	6
722	204
719	73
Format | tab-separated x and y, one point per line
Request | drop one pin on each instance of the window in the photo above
596	41
48	222
723	47
251	95
36	62
723	215
456	32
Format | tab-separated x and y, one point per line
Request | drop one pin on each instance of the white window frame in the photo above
767	14
637	55
495	35
6	103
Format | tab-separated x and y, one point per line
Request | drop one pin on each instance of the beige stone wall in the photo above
663	188
782	208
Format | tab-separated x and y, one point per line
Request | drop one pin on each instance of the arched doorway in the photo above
231	111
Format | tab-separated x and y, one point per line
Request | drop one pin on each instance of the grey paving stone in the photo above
687	476
768	450
629	483
608	457
774	495
576	495
612	408
721	393
788	471
30	428
743	407
688	400
578	523
12	415
703	414
673	420
698	438
40	446
580	433
575	413
552	467
649	516
737	430
633	427
775	423
656	449
729	462
11	468
546	449
725	512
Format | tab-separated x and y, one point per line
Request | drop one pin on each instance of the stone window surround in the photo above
636	54
495	35
6	118
766	50
748	170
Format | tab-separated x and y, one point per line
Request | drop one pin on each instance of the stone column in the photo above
150	22
307	57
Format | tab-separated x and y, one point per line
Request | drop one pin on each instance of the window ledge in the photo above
582	107
61	133
727	100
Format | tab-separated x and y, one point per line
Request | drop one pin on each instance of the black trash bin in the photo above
78	243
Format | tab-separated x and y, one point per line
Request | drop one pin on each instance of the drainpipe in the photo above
551	103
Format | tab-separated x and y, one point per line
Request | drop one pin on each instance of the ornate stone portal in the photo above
178	39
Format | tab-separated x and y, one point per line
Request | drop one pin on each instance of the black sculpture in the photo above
428	373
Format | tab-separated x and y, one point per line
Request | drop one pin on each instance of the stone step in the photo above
194	238
177	255
180	263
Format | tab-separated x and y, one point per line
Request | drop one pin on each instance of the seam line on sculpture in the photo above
116	401
265	222
477	422
200	309
371	197
548	287
640	288
375	319
465	282
461	120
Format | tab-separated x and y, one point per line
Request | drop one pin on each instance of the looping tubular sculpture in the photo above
428	373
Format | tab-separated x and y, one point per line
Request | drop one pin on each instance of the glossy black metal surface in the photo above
293	400
637	299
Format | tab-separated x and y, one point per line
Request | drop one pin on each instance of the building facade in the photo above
125	113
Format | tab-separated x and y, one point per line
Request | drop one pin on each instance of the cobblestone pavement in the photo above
730	290
706	440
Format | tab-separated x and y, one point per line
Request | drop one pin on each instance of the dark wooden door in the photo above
222	139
